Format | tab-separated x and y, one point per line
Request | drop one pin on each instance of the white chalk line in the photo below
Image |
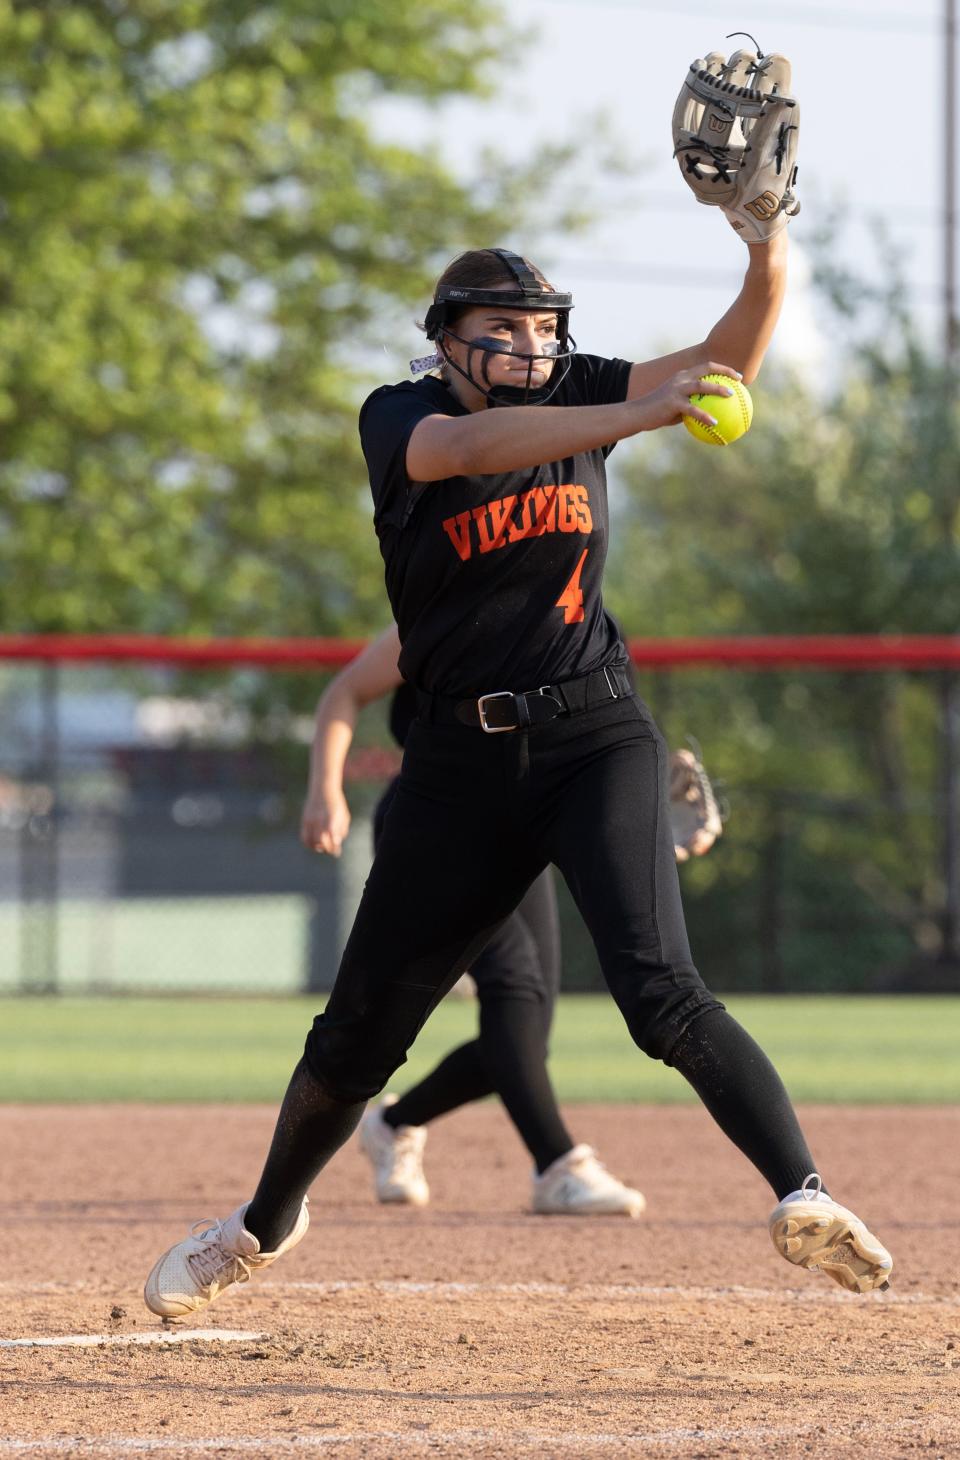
596	1292
160	1335
813	1292
455	1441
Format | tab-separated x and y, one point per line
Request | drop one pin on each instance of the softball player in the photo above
530	747
517	977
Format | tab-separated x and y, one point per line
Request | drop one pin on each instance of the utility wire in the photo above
909	214
619	271
901	21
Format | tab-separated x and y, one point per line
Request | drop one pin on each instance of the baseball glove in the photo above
735	132
694	815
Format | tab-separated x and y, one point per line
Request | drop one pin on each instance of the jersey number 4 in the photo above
571	599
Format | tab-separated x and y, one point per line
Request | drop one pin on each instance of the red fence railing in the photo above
812	651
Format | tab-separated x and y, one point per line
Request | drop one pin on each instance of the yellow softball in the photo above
732	413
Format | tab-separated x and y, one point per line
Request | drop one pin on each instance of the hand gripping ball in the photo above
732	413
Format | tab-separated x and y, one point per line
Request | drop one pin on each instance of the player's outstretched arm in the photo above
325	820
743	334
486	441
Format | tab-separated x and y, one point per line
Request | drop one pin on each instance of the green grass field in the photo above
834	1049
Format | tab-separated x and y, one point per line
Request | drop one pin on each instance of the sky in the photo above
657	269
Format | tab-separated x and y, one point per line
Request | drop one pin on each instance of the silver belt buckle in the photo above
500	694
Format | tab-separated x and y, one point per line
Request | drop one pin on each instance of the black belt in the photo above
503	710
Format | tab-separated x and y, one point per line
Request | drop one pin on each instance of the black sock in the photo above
746	1097
310	1128
509	1060
457	1079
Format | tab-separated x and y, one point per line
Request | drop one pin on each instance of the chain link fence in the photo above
149	819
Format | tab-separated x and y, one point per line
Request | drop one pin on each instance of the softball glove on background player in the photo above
694	815
735	130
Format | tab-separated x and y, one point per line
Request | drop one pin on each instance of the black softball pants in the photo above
522	957
517	986
517	976
476	818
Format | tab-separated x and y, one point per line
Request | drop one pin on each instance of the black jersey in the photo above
494	581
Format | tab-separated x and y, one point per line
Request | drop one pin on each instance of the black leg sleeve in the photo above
310	1128
746	1097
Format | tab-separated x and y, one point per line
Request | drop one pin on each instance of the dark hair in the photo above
481	268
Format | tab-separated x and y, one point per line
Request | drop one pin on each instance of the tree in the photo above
835	515
204	228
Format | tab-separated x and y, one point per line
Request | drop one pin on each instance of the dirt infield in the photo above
473	1328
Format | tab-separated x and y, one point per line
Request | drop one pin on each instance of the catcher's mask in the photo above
528	294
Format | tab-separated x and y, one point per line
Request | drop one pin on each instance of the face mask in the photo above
484	346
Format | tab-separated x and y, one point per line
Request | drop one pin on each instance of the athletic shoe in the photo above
396	1155
578	1184
812	1230
215	1255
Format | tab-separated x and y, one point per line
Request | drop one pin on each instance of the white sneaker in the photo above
397	1156
812	1230
578	1184
214	1256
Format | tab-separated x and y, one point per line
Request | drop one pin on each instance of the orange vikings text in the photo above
510	519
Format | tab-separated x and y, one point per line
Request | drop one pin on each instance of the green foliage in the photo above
204	229
837	514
